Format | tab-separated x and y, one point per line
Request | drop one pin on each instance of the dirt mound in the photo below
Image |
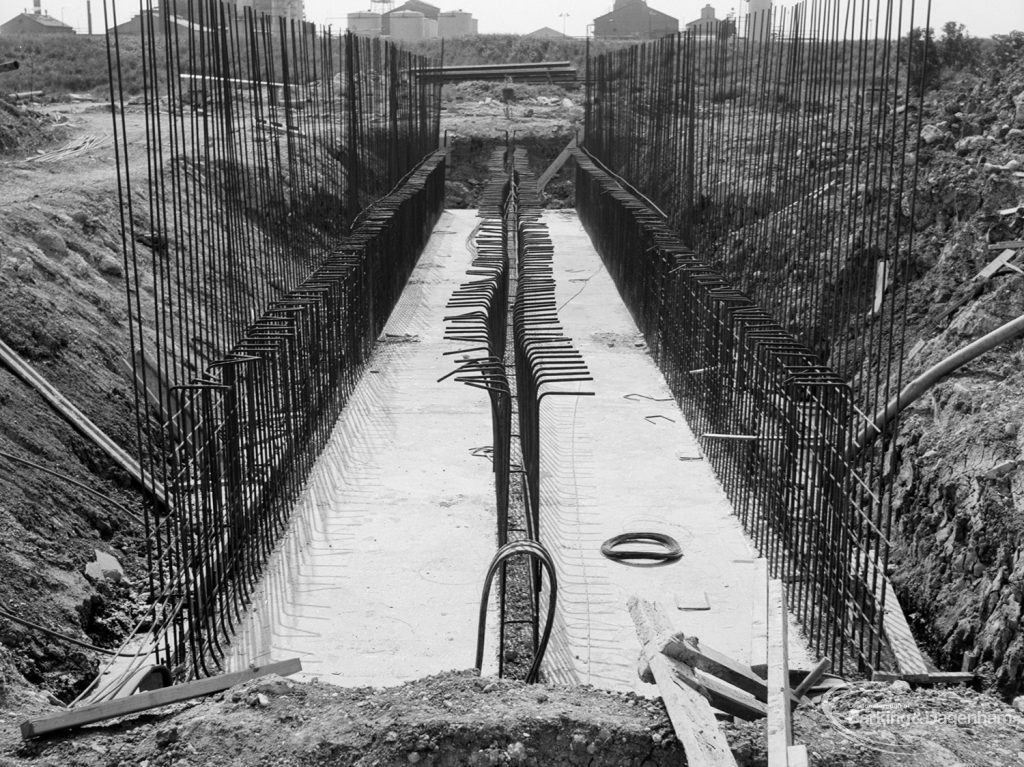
959	496
460	719
23	129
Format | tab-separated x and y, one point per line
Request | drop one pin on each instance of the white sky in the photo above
982	17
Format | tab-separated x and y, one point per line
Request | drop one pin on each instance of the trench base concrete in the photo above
612	464
377	580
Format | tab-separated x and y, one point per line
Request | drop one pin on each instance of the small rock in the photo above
1018	118
1018	703
567	103
579	743
970	143
110	266
78	266
391	737
542	697
164	738
900	686
930	134
105	567
413	757
516	752
491	687
262	700
51	243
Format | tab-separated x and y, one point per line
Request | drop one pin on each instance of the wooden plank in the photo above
796	756
812	678
882	282
695	603
977	285
1016	244
134	704
698	655
759	614
692	717
909	659
724	697
932	677
780	724
555	166
77	419
995	265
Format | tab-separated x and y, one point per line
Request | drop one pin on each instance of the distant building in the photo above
365	23
456	24
153	24
759	20
428	11
413	20
412	26
37	23
287	9
545	33
633	18
707	24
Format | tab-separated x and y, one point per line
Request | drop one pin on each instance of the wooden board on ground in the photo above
555	166
797	756
700	656
759	616
996	264
932	677
909	659
134	704
780	724
691	714
812	677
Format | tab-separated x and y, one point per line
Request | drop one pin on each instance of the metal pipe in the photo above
9	66
916	388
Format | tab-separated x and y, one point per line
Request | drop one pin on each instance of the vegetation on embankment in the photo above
65	64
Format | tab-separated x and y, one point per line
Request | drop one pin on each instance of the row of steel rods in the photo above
779	157
481	327
773	418
513	255
284	184
546	362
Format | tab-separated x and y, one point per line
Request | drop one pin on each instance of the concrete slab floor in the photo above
377	580
611	464
378	577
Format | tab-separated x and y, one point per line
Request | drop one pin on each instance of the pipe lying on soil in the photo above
913	390
9	66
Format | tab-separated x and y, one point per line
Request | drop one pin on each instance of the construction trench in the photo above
386	407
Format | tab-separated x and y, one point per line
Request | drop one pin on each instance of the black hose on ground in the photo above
61	637
74	482
671	549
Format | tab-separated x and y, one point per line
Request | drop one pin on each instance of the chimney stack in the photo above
37	7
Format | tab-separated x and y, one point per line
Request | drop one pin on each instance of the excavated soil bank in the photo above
460	719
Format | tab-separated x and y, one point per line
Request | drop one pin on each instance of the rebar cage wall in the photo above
753	196
278	195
